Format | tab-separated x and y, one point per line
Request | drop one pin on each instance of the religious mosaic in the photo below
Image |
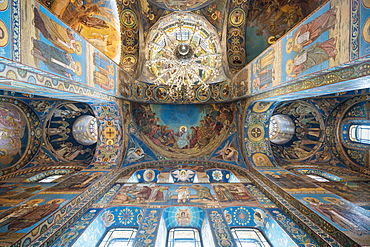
21	134
96	21
308	127
268	21
180	131
71	132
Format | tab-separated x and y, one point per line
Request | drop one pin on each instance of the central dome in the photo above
183	45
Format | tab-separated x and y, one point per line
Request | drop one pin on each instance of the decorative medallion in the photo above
261	106
149	175
237	17
256	132
203	95
128	18
242	216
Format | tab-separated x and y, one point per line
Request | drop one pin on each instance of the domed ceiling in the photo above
183	48
181	5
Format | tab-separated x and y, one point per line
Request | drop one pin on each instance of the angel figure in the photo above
229	153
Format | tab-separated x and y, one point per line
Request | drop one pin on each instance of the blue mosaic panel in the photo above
258	218
6	30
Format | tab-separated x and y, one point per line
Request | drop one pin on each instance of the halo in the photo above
58	201
332	199
366	3
38	201
78	51
4	38
78	68
4	5
186	128
311	198
366	30
289	66
289	45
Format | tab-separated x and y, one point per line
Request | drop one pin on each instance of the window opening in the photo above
360	133
249	237
51	178
318	178
184	237
119	237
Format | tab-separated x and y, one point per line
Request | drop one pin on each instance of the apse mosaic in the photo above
308	131
344	118
182	131
71	132
21	134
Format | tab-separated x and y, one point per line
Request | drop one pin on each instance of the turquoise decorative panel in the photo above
221	232
259	218
148	229
183	217
6	29
298	235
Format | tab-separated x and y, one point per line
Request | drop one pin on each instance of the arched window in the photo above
249	237
119	237
360	133
184	237
318	178
51	178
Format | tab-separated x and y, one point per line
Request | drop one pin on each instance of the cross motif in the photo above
110	132
256	132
